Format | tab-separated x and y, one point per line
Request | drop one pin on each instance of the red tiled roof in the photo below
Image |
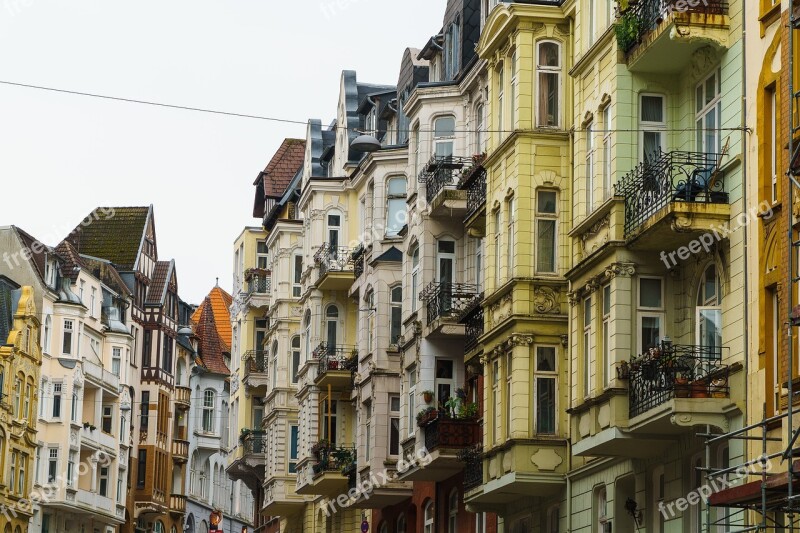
282	167
72	260
210	347
220	304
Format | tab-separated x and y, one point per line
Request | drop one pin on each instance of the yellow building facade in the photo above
20	361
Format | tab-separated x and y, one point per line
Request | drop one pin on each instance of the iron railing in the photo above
256	361
333	259
254	442
667	177
442	172
447	300
473	467
644	16
259	282
474	182
334	459
358	256
335	357
675	371
472	318
446	432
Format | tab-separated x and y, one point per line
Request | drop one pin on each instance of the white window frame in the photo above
207	419
262	257
649	312
452	512
411	374
394	419
429	517
590	168
714	106
395	307
394	227
548	69
549	375
511	238
296	359
606	314
587	319
68	334
652	126
415	274
608	186
444	140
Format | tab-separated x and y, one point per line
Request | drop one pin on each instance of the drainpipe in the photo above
569	283
745	138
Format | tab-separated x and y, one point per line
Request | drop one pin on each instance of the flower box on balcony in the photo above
426	416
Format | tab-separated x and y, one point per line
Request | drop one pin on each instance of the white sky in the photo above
69	154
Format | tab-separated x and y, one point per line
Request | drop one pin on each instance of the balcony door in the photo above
652	121
334	231
445	273
709	310
331	328
261	334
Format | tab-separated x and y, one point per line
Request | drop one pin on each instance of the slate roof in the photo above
273	180
114	233
210	347
159	281
72	263
220	304
38	253
105	272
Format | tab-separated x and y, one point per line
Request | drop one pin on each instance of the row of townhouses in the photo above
537	284
113	390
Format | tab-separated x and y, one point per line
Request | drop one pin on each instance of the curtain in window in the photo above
546	241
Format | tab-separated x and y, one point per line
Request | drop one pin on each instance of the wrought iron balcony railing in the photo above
473	468
674	371
255	361
472	318
254	442
259	283
358	256
333	259
667	177
644	16
446	432
340	459
447	300
335	357
442	172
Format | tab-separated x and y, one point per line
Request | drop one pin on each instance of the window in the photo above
80	290
589	169
658	499
23	461
514	90
104	481
545	381
262	255
587	345
512	215
496	398
368	431
52	465
709	310
396	216
497	222
92	299
108	419
116	359
546	217
444	131
13	472
274	364
334	228
294	432
606	334
552	520
607	177
71	469
144	411
394	425
331	328
509	396
66	346
48	332
208	411
480	124
501	92
708	107
166	359
396	314
592	22
444	381
26	407
147	348
141	469
328	425
298	274
548	69
652	122
773	142
307	333
478	258
601	513
414	277
650	316
452	512
57	400
18	397
428	516
411	374
295	358
401	523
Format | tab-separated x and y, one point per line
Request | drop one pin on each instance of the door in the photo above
445	274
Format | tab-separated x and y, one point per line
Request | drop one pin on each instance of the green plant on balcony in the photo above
627	29
320	447
468	410
426	415
243	434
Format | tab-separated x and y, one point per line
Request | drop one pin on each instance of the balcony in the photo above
256	368
259	286
441	175
472	318
336	365
359	257
180	450
661	35
445	438
672	198
445	303
330	472
177	504
280	498
472	457
183	398
336	268
101	377
474	182
248	466
95	502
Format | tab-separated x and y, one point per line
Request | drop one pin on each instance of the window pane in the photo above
546	202
447	247
607	299
651	143
333	220
546	359
710	323
548	55
548	99
397	186
545	405
396	216
652	109
651	332
444	127
396	325
546	246
650	292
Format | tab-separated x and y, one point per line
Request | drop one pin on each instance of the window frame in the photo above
548	70
540	217
395	199
647	126
551	375
702	112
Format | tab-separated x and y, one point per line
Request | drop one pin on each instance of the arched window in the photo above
295	357
48	330
159	527
396	215
396	313
444	131
401	524
18	395
369	304
331	327
384	528
548	78
203	527
194	487
709	309
428	523
208	411
452	512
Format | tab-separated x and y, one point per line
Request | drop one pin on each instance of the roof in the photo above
106	273
112	233
273	180
159	281
36	249
392	255
72	260
210	347
220	303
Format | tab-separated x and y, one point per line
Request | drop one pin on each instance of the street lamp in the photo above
366	143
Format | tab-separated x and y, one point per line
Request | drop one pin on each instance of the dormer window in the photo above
371	121
452	56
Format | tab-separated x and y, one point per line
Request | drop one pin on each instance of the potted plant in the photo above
468	410
427	396
427	415
453	405
319	447
86	425
623	370
718	387
681	387
699	388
